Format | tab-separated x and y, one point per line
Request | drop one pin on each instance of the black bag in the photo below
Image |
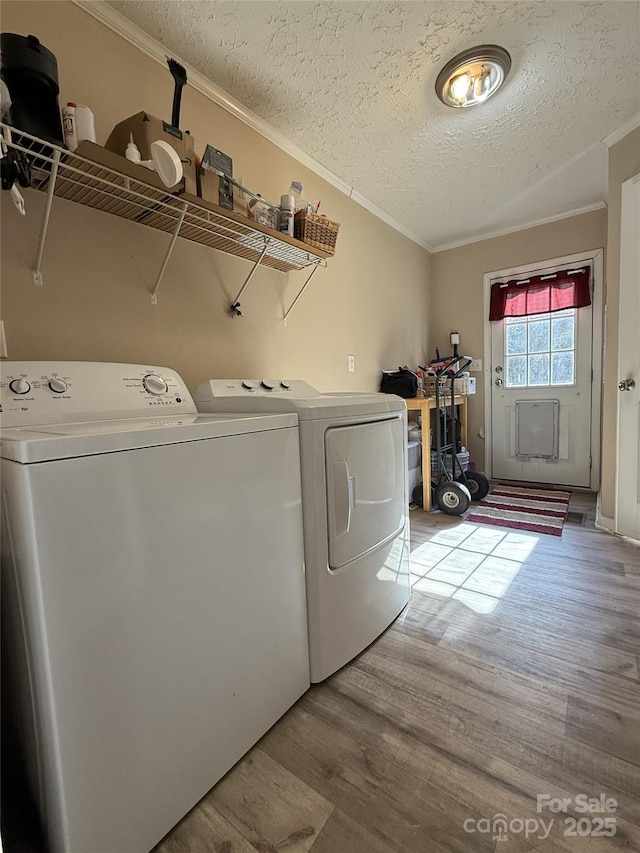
401	382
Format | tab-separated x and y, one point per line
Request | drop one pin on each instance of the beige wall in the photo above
371	301
457	287
624	163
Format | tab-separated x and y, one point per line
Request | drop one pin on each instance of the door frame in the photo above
596	258
626	226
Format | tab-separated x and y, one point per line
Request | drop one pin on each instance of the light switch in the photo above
476	365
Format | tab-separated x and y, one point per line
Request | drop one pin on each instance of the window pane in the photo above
539	336
562	333
539	369
516	338
562	368
516	371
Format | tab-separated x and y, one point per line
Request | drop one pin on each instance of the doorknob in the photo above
499	383
627	384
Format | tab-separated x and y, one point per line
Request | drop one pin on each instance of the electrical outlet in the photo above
476	365
351	363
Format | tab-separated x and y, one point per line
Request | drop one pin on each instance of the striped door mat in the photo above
538	510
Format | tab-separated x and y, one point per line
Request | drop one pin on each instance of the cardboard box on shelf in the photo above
146	129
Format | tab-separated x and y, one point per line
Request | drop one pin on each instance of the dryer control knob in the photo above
286	386
20	386
154	384
266	383
249	386
58	386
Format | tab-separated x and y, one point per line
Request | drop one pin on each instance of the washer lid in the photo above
47	442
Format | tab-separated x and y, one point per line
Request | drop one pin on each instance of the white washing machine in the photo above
153	593
353	451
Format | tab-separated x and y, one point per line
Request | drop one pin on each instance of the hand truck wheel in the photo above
452	497
476	482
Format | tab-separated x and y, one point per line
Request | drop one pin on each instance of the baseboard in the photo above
602	522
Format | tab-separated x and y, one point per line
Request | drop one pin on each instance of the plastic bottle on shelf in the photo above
69	126
85	124
287	212
132	153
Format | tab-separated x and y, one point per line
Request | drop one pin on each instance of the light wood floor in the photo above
455	715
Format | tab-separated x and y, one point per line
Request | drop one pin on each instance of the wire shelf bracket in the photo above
42	237
300	292
234	308
174	237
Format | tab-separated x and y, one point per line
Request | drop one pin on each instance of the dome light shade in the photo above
473	76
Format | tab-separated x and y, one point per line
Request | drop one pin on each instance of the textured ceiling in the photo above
352	85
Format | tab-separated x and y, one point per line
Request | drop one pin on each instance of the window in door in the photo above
540	350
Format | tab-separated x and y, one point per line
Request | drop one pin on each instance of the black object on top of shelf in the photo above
30	72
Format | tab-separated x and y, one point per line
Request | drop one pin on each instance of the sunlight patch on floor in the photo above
471	564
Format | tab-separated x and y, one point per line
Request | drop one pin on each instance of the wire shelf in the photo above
84	181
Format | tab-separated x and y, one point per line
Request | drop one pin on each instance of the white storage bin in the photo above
463	459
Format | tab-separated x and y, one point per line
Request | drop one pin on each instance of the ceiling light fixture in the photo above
473	76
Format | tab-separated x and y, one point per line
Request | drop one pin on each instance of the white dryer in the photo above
153	593
353	452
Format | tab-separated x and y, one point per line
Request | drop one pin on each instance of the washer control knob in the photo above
249	386
286	386
58	386
266	383
20	386
155	384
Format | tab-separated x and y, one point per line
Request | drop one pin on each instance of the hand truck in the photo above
452	488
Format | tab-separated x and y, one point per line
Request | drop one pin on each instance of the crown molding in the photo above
116	22
489	235
389	220
622	131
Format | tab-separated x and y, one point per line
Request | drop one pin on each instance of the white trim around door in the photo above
596	258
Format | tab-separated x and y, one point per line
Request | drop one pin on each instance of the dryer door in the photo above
366	472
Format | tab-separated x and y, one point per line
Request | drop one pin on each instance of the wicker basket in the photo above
430	384
316	230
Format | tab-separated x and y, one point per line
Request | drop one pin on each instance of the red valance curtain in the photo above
541	294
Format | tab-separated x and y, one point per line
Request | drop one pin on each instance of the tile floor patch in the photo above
459	560
427	556
454	535
473	565
493	577
515	546
483	540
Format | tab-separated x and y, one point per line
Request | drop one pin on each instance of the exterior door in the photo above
541	384
627	520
